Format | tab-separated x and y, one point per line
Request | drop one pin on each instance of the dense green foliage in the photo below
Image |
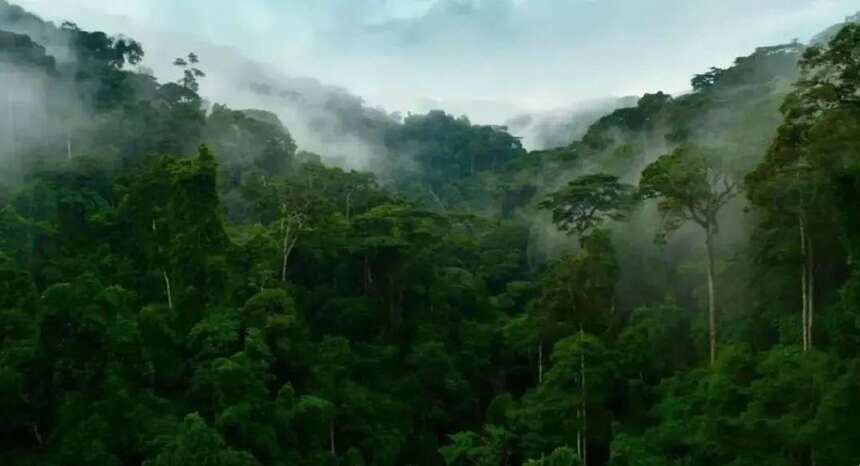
179	284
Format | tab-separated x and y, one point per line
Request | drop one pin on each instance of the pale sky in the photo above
472	55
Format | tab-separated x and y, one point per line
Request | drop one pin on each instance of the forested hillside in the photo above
181	284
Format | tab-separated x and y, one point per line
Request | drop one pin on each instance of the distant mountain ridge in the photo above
827	34
20	49
556	128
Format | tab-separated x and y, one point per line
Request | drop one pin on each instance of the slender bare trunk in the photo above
368	275
810	296
348	199
36	433
804	284
583	386
540	363
285	252
712	307
164	274
10	122
436	198
167	288
69	144
331	438
288	244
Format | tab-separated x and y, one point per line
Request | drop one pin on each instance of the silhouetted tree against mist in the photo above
190	72
705	81
692	187
589	201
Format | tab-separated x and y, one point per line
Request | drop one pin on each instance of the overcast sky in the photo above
474	55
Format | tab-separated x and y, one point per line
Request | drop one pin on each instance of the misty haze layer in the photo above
489	59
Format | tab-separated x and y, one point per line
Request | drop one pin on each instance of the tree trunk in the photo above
540	363
285	246
69	144
348	196
804	284
167	287
584	404
712	307
288	245
810	295
579	434
331	438
164	274
36	433
368	275
436	198
10	122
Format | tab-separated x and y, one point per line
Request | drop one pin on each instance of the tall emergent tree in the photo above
580	208
692	187
808	180
589	201
190	72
